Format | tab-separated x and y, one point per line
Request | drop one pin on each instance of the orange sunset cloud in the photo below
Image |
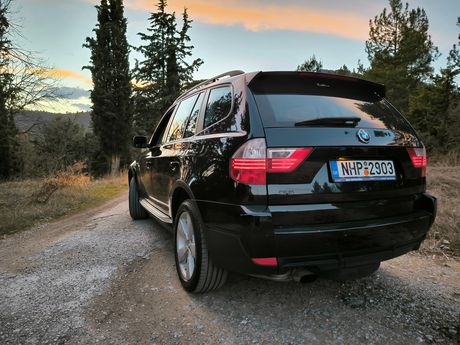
59	73
257	16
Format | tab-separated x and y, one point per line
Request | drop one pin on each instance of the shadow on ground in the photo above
146	305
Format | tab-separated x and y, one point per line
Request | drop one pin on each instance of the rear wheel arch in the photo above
180	194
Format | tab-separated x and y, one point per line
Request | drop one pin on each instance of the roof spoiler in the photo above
317	80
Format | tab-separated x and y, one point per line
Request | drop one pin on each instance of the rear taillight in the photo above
286	160
249	163
418	157
252	161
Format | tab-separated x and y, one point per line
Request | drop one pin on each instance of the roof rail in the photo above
212	80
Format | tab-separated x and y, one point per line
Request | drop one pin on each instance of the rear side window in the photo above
218	106
179	122
191	125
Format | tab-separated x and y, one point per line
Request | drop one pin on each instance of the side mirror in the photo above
140	142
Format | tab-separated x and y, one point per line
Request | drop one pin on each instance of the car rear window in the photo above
286	98
284	110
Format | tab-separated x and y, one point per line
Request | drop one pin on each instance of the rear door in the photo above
358	165
167	159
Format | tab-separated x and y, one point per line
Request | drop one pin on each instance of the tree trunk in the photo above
114	164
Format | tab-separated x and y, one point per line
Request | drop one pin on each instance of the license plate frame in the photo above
352	170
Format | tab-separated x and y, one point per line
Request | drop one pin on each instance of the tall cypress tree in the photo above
111	95
164	72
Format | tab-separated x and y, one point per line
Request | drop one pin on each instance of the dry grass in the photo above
73	176
26	203
450	159
444	183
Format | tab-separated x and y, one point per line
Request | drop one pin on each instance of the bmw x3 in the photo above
283	175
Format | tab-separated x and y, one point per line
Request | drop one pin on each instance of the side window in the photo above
159	132
191	125
219	105
177	127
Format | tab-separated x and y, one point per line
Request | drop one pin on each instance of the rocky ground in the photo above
100	277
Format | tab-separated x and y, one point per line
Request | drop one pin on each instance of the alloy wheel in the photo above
185	246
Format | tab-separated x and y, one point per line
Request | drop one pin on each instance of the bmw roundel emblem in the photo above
363	136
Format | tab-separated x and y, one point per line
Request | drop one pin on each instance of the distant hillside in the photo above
27	119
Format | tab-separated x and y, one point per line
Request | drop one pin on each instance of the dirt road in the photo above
100	277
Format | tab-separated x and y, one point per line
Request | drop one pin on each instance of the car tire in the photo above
200	274
136	211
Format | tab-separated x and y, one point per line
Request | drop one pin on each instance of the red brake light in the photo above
418	157
252	161
265	261
249	163
286	160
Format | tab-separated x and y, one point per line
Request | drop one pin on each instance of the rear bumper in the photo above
235	234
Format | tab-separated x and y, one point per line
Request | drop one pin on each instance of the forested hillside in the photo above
31	121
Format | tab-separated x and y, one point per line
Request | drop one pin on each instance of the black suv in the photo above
283	175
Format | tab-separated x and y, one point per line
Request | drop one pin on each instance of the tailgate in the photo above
304	110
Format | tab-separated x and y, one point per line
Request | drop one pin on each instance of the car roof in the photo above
252	77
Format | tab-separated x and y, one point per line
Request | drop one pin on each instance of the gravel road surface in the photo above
99	277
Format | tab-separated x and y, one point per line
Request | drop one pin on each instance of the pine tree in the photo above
344	70
434	107
453	64
400	51
184	51
164	72
311	65
453	60
428	109
111	95
8	129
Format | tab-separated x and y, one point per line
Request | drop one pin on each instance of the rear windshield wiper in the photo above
330	121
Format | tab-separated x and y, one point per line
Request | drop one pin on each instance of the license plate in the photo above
362	170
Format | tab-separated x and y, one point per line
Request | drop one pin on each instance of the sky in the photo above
250	35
